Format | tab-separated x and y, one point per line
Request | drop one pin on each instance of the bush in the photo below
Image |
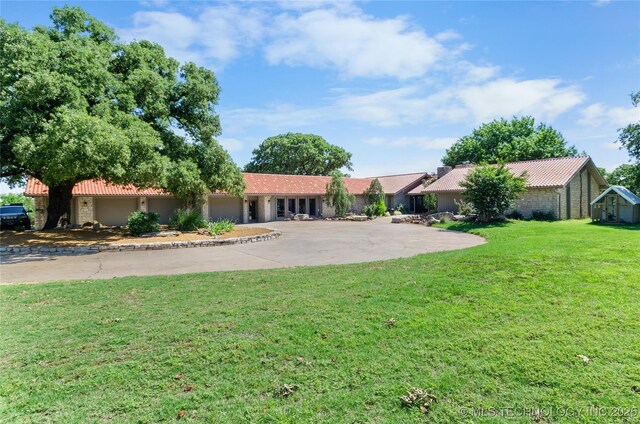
464	207
514	215
188	220
220	226
543	216
143	222
400	208
370	210
337	195
375	209
492	189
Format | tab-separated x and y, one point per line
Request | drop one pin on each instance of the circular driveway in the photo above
301	244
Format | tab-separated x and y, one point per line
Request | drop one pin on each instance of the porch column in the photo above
86	210
40	211
205	208
264	208
245	210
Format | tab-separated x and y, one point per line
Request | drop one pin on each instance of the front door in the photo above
312	207
280	208
302	205
291	209
252	211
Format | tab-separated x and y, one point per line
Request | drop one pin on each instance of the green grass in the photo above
495	326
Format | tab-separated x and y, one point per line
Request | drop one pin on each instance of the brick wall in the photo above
537	200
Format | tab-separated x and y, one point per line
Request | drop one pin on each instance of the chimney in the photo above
443	170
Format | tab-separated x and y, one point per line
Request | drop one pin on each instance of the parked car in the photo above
14	215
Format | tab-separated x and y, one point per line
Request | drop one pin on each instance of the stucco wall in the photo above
225	207
446	202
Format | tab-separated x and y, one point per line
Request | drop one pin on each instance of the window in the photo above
280	208
292	207
302	205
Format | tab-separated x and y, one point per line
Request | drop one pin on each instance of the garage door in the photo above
225	208
165	206
115	211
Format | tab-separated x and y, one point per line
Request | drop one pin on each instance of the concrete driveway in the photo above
301	244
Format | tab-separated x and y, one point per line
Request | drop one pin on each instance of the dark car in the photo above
14	215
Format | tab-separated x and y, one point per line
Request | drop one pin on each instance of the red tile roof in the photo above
94	188
393	184
257	184
297	184
541	173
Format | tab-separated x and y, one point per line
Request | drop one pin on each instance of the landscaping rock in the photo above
441	215
400	219
96	226
300	217
459	217
162	234
431	220
358	218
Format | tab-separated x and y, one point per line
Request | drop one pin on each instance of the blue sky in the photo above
395	83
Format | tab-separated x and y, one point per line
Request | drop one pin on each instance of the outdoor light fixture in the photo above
84	203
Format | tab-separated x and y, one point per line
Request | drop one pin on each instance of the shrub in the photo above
337	195
464	207
188	220
374	193
143	222
375	209
492	189
514	215
220	226
543	216
370	210
400	208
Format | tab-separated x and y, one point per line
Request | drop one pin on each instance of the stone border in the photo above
69	250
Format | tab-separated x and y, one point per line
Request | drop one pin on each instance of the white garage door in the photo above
222	207
115	211
165	206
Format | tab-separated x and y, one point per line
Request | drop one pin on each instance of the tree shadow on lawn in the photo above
632	227
470	226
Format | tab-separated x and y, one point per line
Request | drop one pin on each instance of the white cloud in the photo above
545	99
421	142
600	3
596	115
231	144
357	45
214	38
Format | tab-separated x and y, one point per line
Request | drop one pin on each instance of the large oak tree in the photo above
77	104
508	141
298	154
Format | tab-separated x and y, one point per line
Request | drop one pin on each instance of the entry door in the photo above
292	207
312	207
302	205
252	210
280	208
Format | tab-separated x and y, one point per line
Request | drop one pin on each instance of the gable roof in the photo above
626	194
257	184
541	173
394	184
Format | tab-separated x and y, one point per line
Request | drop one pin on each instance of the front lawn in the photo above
496	326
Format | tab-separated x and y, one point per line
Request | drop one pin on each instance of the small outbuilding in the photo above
616	204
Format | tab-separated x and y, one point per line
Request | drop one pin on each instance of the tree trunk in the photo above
59	204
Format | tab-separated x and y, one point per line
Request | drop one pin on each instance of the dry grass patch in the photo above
87	237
